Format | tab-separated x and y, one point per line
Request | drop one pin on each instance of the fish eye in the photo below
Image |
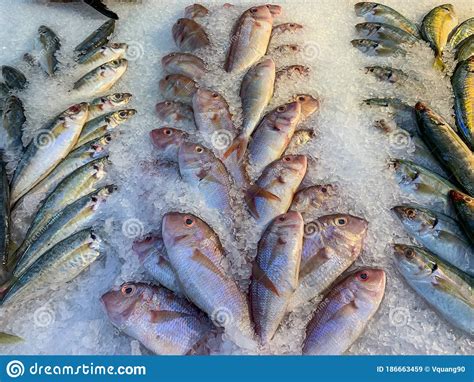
123	114
324	189
94	198
167	131
282	218
281	108
411	213
199	149
409	253
287	159
118	96
96	167
215	95
147	238
292	25
108	138
167	78
253	10
189	222
128	289
172	54
364	276
302	98
340	222
93	236
178	22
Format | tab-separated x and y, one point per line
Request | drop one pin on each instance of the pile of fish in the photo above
440	177
250	173
59	172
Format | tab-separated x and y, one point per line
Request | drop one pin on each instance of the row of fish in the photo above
63	168
440	175
298	258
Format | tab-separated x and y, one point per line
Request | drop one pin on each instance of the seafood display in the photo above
237	179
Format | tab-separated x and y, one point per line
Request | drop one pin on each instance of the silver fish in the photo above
96	39
344	313
13	122
107	103
164	323
195	252
331	244
48	45
275	273
313	199
461	32
14	79
385	33
377	48
102	78
112	51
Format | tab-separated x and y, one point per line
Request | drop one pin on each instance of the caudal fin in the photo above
239	144
439	64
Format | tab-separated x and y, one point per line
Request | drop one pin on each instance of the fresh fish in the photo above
429	187
195	10
167	140
163	322
435	29
195	252
273	192
102	78
4	92
292	71
103	124
461	32
447	146
331	244
71	219
177	87
105	53
287	49
59	265
189	35
250	37
465	49
7	339
200	168
152	255
443	287
463	87
214	120
464	206
48	45
77	158
344	313
4	221
309	105
403	114
388	74
13	122
379	13
273	135
377	48
313	199
172	112
275	273
385	33
256	91
76	185
285	28
14	79
96	39
419	152
101	105
185	64
47	149
440	234
300	138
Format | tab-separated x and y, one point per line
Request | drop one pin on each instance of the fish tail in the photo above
239	144
439	64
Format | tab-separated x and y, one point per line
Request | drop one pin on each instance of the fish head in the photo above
365	45
411	261
364	8
292	166
194	156
98	167
169	59
168	139
121	304
95	239
111	68
405	172
100	197
179	229
267	64
286	115
118	47
182	27
308	103
460	199
289	223
367	28
118	99
120	116
75	114
97	147
417	219
315	195
146	245
206	100
274	9
370	282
